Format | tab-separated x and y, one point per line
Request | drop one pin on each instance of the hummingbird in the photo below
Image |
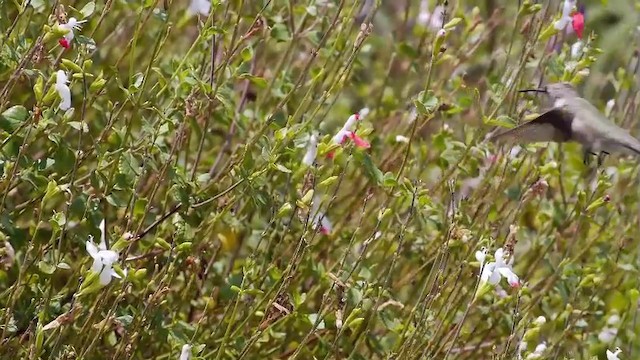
572	118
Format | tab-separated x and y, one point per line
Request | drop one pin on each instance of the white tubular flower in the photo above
538	352
431	20
566	15
201	7
341	135
540	320
610	104
185	354
576	49
316	215
63	90
312	149
70	26
494	271
103	259
613	355
607	335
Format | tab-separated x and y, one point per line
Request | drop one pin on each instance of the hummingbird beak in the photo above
543	90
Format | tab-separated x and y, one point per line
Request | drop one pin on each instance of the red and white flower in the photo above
346	132
70	26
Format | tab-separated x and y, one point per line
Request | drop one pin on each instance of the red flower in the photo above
360	142
64	43
578	23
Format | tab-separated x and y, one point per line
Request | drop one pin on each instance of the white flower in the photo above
538	352
540	320
515	151
613	319
312	149
185	354
613	355
566	15
325	225
103	259
607	335
481	255
402	139
413	115
200	6
610	104
522	348
494	271
431	20
576	49
70	26
63	90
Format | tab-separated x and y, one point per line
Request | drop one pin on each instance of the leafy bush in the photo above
311	180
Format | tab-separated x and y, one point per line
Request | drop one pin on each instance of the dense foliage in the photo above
175	184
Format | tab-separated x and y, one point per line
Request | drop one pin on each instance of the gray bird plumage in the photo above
572	118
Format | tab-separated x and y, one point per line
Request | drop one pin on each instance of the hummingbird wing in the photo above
553	125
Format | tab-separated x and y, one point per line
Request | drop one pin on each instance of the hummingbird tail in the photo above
635	150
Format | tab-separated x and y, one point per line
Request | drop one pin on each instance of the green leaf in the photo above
46	268
256	80
408	50
283	169
452	24
502	121
369	167
52	190
426	103
88	9
118	198
13	117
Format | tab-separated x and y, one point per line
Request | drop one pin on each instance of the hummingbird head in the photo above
561	90
557	92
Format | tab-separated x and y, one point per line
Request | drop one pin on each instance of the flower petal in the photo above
97	265
360	142
115	274
494	279
512	278
105	276
103	242
312	150
108	257
487	271
340	137
562	23
326	226
578	24
91	248
65	96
